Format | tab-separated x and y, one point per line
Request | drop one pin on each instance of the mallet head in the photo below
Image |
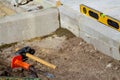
23	52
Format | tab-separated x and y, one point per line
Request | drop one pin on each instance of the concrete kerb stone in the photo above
69	19
102	37
24	26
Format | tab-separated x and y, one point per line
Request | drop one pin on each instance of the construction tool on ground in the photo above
17	61
27	52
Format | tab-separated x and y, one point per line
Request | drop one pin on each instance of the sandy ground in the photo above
74	58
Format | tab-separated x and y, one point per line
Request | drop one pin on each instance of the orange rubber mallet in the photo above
18	62
27	52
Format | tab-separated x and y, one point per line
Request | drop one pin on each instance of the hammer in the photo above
27	52
17	62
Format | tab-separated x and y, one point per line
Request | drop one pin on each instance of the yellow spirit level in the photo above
101	17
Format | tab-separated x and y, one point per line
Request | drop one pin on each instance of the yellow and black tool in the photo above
101	17
27	52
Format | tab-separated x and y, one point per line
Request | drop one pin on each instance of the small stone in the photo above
109	65
40	7
117	68
80	43
100	58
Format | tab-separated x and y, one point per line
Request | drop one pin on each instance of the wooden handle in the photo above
40	61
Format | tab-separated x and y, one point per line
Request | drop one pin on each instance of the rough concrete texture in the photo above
102	37
69	20
28	25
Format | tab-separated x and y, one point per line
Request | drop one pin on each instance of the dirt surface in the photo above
74	58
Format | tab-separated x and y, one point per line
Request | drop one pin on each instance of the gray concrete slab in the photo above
24	26
102	37
69	20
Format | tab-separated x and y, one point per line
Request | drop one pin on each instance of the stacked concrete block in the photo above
24	26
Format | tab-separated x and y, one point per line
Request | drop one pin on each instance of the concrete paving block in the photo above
103	38
69	19
24	26
101	46
97	43
116	52
100	31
